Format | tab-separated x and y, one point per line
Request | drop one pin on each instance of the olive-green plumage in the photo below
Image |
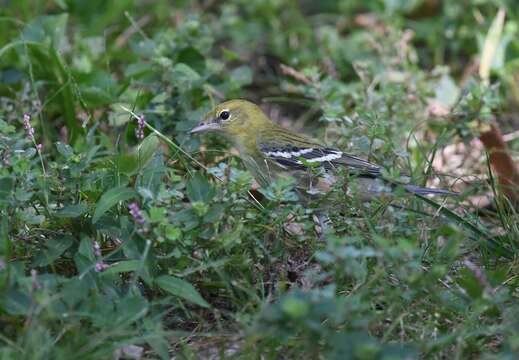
269	150
247	128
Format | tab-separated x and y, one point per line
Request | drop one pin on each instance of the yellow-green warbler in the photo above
268	151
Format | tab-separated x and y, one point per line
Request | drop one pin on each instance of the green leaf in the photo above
9	77
64	149
54	248
51	29
29	216
6	245
72	211
126	163
85	248
157	214
181	288
130	163
242	75
123	266
16	303
98	88
184	75
192	57
6	186
6	128
110	198
446	91
198	188
214	214
172	233
147	149
295	307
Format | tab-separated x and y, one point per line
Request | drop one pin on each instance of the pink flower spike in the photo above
136	213
139	132
28	127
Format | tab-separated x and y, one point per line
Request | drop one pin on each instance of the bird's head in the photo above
233	118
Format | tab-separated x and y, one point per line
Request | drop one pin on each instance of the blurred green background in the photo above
200	269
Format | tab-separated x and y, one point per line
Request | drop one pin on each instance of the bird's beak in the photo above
203	127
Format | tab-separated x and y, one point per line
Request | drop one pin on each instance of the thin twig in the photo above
136	27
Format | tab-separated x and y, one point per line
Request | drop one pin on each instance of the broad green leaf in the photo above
181	288
147	149
111	198
74	291
29	216
124	266
51	29
214	214
64	149
72	211
118	117
160	345
157	214
6	186
130	163
184	75
9	77
54	248
172	233
198	188
446	91
85	248
126	163
16	302
98	88
192	57
242	75
6	128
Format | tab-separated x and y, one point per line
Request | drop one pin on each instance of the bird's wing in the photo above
306	155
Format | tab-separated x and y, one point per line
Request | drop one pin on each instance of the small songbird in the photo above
269	150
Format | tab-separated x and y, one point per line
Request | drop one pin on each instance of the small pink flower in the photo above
28	127
139	132
101	266
30	131
97	249
136	213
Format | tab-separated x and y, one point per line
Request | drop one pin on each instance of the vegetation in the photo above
122	236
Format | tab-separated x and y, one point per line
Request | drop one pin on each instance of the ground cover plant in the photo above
123	236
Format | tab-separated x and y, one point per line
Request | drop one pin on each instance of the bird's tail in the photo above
428	191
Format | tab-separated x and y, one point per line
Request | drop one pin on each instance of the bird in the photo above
269	151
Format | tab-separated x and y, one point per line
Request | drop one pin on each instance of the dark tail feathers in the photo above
428	191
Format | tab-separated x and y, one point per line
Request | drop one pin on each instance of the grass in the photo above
117	245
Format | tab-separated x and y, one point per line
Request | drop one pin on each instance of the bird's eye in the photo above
225	114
